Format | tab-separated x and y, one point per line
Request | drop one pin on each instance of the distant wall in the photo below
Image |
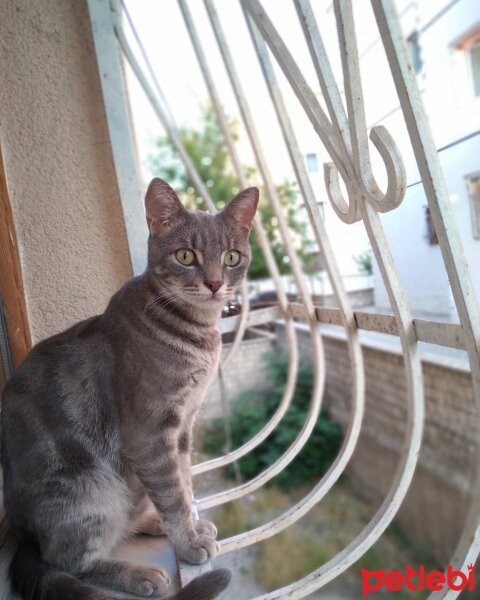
436	503
246	371
357	298
58	161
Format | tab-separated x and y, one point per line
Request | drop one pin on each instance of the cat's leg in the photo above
91	525
143	516
158	465
83	553
202	526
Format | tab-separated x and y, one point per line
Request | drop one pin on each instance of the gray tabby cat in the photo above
97	421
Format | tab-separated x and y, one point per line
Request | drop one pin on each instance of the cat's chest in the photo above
202	370
153	366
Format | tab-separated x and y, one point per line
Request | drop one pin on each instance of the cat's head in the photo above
198	258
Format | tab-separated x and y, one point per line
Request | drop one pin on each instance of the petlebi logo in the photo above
418	580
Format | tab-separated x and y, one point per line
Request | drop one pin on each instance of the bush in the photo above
253	408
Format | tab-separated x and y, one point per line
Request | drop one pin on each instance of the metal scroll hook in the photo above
349	212
382	140
396	176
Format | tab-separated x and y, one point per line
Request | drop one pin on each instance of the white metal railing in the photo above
343	132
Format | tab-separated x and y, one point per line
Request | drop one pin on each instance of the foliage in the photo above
364	262
253	408
324	532
208	153
288	556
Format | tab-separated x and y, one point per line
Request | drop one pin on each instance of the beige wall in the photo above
434	509
58	161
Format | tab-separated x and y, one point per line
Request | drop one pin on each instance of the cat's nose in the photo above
213	285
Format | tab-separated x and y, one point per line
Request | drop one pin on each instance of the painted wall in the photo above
58	161
454	113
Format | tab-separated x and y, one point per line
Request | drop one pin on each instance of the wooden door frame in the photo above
11	280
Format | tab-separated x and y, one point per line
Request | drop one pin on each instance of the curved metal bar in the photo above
415	422
468	548
316	221
274	420
172	132
357	123
297	511
377	525
307	98
292	451
349	212
396	175
325	76
356	359
267	252
355	170
318	355
241	328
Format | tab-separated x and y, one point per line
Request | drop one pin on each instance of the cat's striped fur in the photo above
96	422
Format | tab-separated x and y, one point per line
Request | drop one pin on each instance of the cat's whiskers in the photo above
151	301
164	298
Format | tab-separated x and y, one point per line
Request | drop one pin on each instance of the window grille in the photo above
343	132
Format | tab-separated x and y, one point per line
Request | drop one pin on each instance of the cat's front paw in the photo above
197	548
146	581
207	527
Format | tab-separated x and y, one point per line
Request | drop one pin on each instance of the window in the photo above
473	183
473	58
413	42
469	47
312	162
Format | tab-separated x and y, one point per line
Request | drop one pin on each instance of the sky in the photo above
165	38
164	35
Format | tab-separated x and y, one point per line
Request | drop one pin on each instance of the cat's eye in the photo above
232	258
185	256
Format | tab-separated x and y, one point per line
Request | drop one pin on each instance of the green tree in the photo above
364	262
209	154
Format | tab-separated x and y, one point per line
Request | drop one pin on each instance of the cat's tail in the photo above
34	579
204	587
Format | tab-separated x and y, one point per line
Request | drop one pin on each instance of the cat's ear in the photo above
240	212
162	206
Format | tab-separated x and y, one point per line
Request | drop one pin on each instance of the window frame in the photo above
472	200
473	45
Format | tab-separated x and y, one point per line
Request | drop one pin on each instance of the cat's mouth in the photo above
215	298
212	300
